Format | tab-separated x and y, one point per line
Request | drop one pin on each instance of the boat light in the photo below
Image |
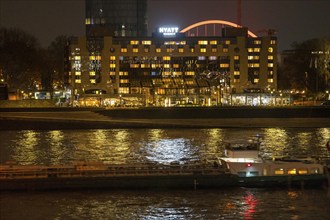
249	164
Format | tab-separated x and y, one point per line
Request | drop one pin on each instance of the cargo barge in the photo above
94	175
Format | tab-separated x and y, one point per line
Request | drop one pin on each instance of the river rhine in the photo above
124	146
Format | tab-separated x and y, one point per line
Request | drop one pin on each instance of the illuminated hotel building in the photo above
116	17
174	69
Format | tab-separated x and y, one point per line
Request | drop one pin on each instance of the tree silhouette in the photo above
19	59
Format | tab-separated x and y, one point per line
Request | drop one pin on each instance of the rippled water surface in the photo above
122	146
238	203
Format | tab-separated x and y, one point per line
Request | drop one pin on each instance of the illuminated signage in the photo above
168	31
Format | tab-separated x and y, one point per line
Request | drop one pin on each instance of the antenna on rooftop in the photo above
239	13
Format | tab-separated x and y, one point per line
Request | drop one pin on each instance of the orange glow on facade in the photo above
214	22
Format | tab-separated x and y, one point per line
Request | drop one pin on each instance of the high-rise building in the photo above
126	18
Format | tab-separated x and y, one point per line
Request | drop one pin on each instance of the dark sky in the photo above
294	20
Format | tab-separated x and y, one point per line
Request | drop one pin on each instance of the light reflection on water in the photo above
122	146
239	203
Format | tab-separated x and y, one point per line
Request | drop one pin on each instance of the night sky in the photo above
294	20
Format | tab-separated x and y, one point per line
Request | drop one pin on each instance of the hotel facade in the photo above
171	68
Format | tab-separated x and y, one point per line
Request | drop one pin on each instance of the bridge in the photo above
210	28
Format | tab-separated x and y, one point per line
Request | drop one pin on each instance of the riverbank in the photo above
79	118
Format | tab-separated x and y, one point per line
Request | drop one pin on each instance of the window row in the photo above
170	50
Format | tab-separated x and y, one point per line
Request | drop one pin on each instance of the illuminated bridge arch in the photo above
216	27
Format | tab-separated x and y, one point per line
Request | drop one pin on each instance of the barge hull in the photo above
161	182
284	181
124	182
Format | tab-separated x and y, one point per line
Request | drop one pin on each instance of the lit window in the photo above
292	171
303	171
256	49
124	81
192	49
166	73
167	58
255	65
202	42
250	57
181	50
214	50
135	50
112	65
270	64
270	50
270	57
158	50
146	42
112	58
203	50
236	57
227	42
237	80
255	80
315	170
91	57
93	81
224	65
161	91
236	73
144	65
153	66
214	42
123	90
134	65
225	50
77	73
169	50
273	42
77	80
134	42
190	73
257	42
212	58
88	21
270	80
250	50
112	73
77	58
123	50
166	65
279	171
176	65
123	73
92	73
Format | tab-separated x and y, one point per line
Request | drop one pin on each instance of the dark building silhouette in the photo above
116	18
3	91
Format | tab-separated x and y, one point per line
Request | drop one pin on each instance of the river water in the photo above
124	146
